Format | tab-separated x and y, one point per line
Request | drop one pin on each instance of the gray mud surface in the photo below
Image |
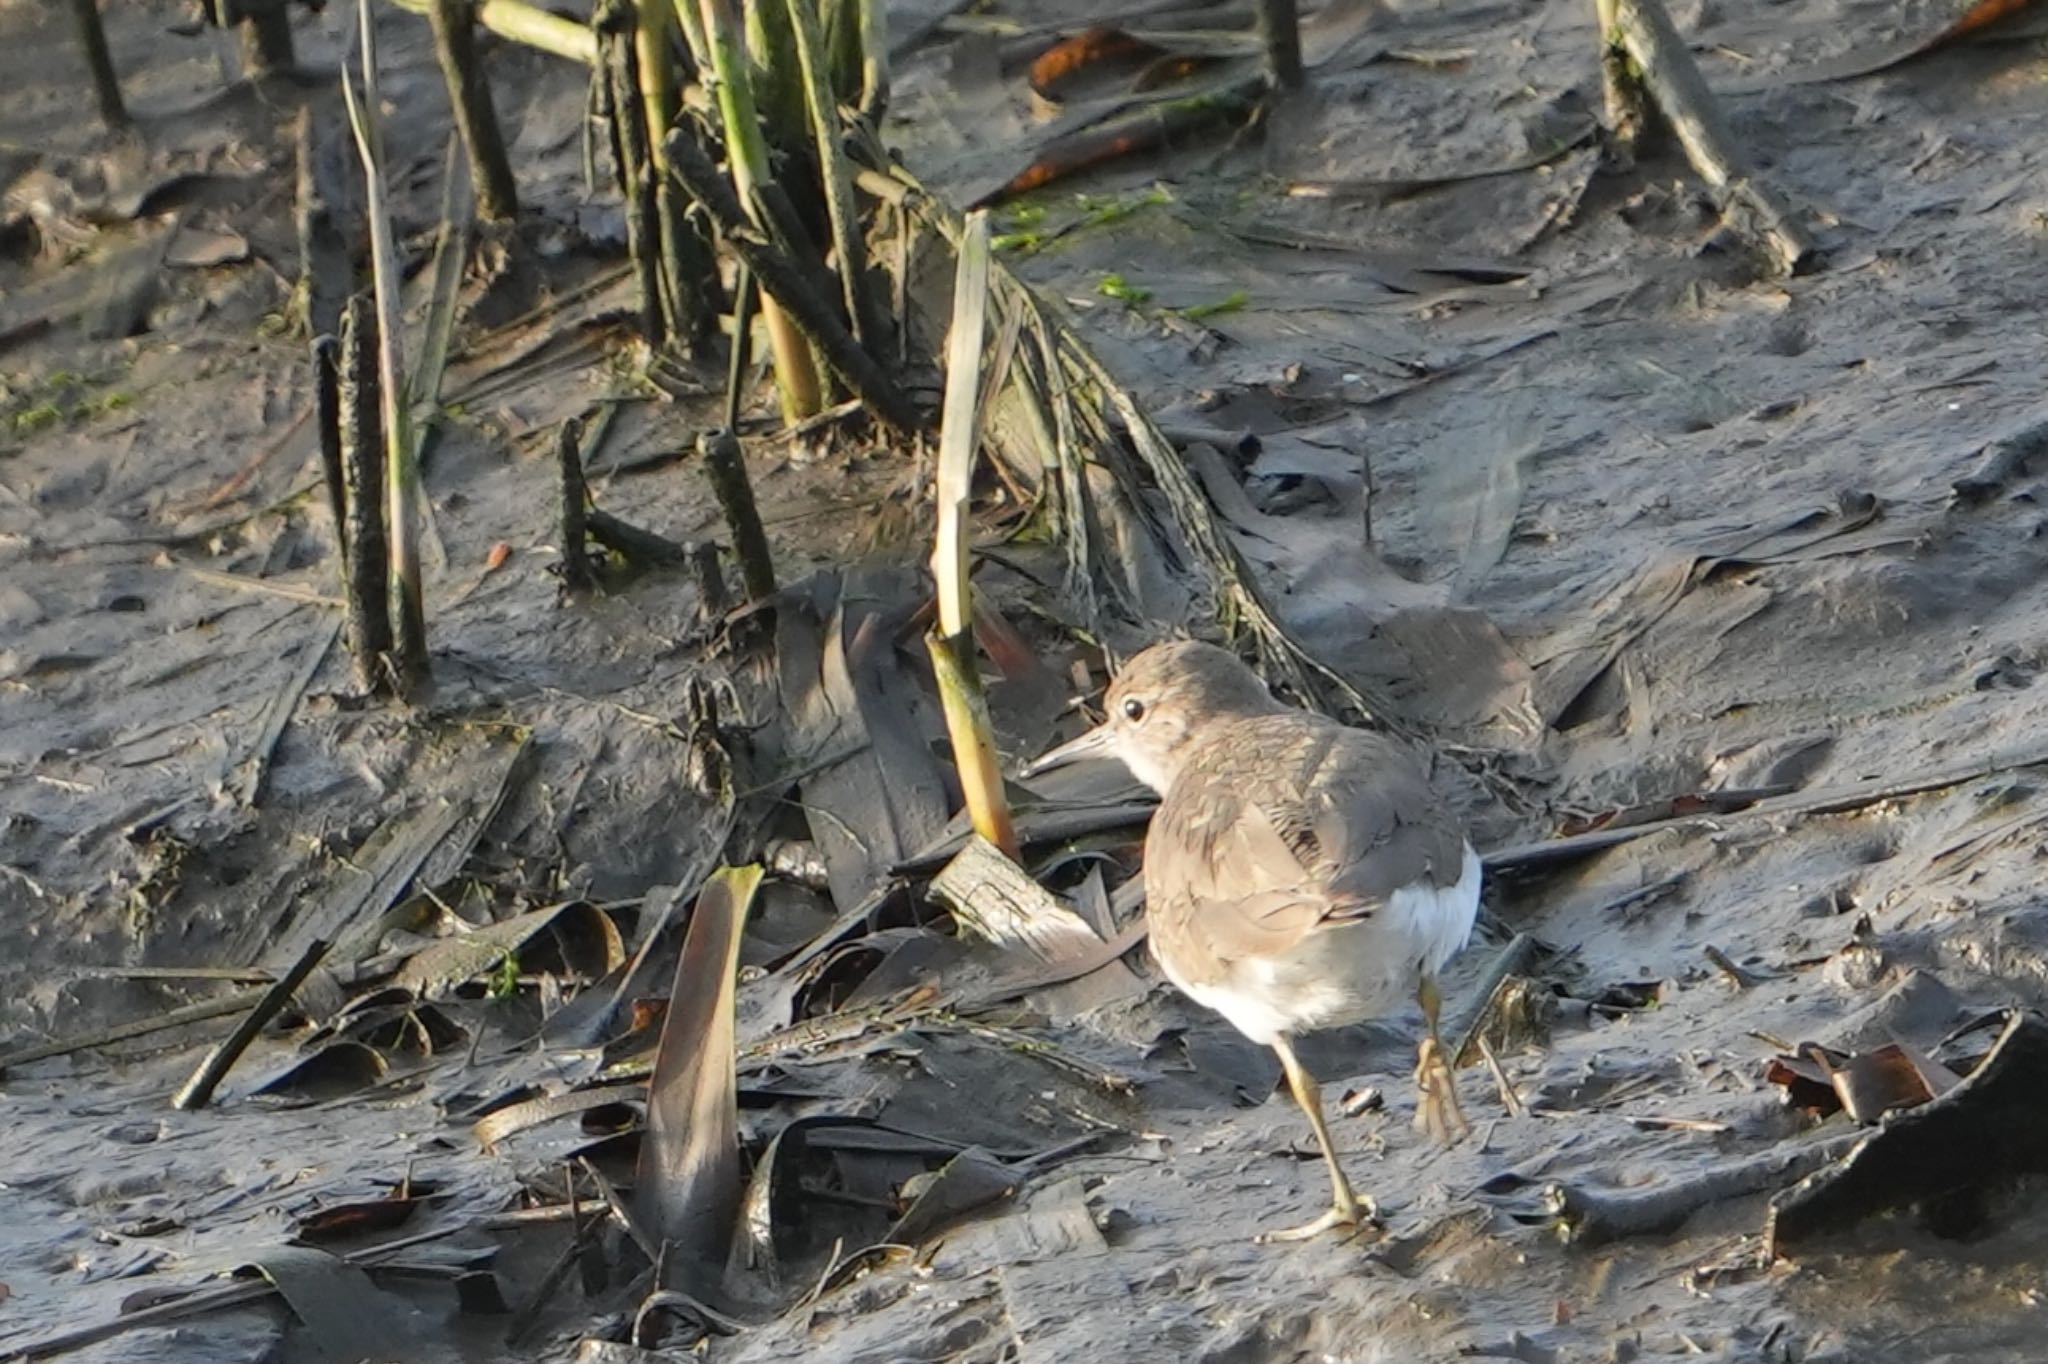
1613	517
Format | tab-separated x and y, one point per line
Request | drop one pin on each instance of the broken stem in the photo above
527	25
952	643
401	475
725	464
796	373
1673	81
575	505
199	1088
367	583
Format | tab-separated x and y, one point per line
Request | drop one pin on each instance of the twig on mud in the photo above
199	1089
263	586
1666	70
1513	961
1833	800
278	713
1508	1098
1741	979
1588	1216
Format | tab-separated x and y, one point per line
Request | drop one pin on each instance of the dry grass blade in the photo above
689	1184
951	644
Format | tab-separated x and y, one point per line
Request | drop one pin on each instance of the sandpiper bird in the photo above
1299	874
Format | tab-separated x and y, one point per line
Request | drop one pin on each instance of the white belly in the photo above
1348	973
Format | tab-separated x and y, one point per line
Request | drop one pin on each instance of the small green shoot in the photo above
1123	291
1236	303
504	983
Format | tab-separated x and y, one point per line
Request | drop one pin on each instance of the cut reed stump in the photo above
367	584
476	118
266	38
106	86
576	579
726	466
1280	35
1664	67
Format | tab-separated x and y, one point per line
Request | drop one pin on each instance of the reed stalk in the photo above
951	643
833	170
367	587
528	25
469	96
106	86
796	372
401	481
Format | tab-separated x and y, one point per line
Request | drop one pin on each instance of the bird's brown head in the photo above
1159	705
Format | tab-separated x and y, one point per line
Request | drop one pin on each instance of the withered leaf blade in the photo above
688	1190
1983	1130
347	1314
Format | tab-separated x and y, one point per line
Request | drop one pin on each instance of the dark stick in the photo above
787	283
266	38
362	467
106	86
726	465
1675	84
636	171
1280	31
327	414
469	93
575	504
222	1058
636	544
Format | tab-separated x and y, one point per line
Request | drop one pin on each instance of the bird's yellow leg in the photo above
1440	1113
1346	1208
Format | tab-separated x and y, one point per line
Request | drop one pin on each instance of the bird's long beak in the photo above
1099	742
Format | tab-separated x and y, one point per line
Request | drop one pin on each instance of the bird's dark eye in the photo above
1134	709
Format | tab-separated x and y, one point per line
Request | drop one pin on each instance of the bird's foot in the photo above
1354	1212
1439	1114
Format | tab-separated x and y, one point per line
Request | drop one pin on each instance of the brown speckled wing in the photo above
1289	826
